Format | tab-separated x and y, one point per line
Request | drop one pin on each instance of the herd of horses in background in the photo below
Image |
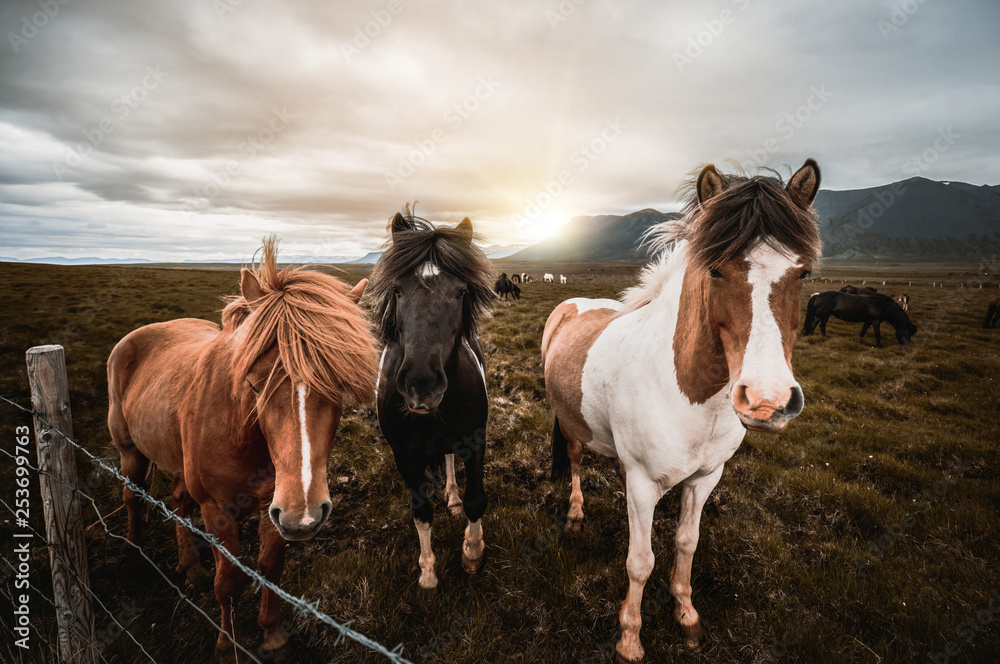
505	286
244	415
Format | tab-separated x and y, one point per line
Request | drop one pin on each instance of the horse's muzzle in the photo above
768	419
302	528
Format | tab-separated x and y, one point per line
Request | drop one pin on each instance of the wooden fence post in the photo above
63	520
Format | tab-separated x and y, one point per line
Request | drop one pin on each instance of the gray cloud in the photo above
149	129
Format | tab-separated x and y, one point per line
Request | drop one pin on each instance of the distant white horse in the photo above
724	305
562	279
548	278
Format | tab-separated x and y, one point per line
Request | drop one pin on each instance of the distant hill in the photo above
915	217
607	237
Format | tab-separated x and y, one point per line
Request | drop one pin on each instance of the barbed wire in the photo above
258	580
72	569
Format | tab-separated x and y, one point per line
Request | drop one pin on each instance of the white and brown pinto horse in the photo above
667	380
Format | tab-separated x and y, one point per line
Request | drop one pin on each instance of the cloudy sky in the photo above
189	129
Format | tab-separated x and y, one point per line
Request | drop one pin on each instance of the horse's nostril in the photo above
324	510
275	514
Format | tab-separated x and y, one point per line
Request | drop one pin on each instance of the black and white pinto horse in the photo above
430	288
504	287
870	309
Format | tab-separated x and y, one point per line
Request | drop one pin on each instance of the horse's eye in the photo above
395	292
805	273
461	293
253	387
715	274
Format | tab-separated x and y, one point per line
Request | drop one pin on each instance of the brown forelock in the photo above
569	343
321	335
748	211
449	249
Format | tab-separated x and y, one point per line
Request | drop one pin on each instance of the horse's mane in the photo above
751	209
320	333
450	250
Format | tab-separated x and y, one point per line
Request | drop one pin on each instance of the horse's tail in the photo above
560	453
810	325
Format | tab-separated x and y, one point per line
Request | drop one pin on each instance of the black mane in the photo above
449	249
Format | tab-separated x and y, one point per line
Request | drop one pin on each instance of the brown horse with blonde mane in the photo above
243	417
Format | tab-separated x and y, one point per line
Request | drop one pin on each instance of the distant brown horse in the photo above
244	418
903	300
992	313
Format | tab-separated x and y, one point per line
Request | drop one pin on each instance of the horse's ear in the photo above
465	230
400	223
359	290
804	185
249	286
710	183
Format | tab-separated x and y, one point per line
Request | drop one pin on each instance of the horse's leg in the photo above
229	581
271	562
134	466
451	486
420	485
864	328
822	325
574	518
642	496
188	560
473	547
694	493
878	333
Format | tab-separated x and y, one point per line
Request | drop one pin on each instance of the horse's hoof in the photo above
455	508
472	566
273	649
573	525
636	656
695	638
226	652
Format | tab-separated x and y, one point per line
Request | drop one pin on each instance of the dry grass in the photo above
867	532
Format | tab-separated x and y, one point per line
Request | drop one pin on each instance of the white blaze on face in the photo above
765	371
306	450
428	270
378	376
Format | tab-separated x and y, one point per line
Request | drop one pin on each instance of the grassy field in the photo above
868	532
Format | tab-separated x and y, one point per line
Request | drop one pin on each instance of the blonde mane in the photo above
321	335
663	239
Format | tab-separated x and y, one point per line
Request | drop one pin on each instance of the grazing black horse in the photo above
870	309
430	288
992	313
858	290
504	287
